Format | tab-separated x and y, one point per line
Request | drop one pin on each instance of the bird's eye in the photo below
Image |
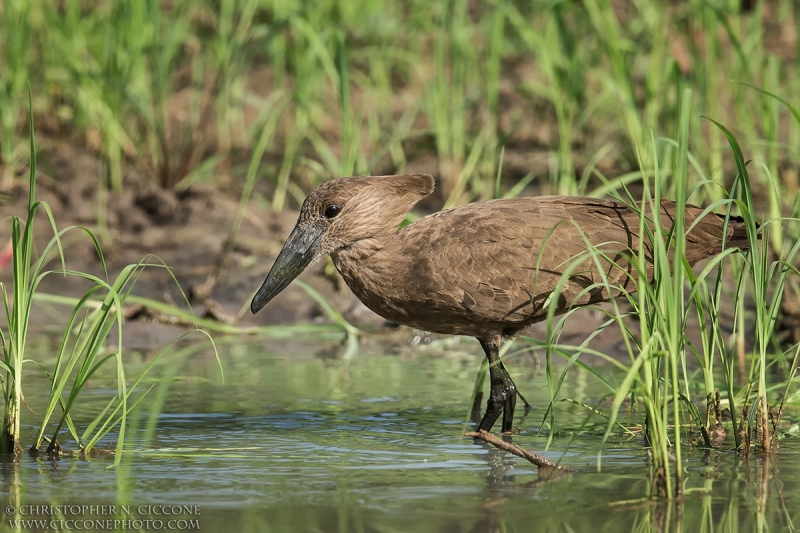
331	211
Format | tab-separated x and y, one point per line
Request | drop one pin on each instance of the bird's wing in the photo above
502	260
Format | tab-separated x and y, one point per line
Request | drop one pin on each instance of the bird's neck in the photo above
367	263
359	254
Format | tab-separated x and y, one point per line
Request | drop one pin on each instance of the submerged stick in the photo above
535	458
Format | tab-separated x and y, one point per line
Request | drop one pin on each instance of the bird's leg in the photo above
511	400
503	392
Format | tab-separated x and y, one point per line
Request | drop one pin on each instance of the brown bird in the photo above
487	269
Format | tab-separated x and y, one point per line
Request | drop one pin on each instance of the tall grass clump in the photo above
18	307
748	287
767	279
660	307
82	351
651	280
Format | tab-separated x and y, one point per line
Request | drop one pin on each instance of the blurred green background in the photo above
563	95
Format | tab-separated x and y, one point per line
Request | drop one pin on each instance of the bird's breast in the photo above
378	280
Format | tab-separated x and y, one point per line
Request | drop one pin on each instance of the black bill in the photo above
300	249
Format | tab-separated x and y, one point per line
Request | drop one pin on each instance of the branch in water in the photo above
534	458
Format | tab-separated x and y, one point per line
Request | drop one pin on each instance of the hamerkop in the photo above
487	269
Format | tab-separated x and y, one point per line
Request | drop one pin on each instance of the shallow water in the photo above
301	441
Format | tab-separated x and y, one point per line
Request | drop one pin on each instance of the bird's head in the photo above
340	212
